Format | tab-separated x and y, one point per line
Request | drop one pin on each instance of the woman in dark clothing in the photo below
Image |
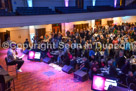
66	59
125	69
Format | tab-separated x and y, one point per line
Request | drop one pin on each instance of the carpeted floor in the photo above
39	76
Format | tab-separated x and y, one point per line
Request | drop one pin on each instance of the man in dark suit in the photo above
112	70
121	60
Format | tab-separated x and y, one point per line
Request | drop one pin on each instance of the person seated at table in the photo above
121	60
26	44
102	64
85	65
66	59
86	53
59	59
56	44
135	74
73	62
112	70
126	67
91	55
95	64
50	56
131	79
13	59
78	52
70	55
98	55
93	71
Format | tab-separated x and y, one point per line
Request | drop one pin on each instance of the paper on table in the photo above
22	56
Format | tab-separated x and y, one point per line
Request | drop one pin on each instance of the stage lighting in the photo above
101	83
34	55
31	55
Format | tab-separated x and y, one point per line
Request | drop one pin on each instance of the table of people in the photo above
96	59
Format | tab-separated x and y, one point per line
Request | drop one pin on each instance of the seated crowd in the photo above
100	54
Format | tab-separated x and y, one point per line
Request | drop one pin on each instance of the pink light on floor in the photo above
98	83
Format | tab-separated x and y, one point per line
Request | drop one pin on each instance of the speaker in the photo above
47	60
81	75
67	69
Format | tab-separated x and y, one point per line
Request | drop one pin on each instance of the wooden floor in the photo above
38	76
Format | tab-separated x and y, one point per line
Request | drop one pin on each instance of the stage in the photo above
39	76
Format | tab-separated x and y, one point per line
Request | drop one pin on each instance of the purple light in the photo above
98	83
66	3
115	3
31	55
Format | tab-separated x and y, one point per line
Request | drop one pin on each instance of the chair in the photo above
132	86
5	81
127	81
10	65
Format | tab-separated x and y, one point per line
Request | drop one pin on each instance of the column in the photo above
31	32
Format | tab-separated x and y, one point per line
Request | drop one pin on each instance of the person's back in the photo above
131	78
10	55
121	62
112	71
26	44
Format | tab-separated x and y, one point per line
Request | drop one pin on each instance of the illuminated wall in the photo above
120	20
17	34
30	3
66	3
129	19
115	3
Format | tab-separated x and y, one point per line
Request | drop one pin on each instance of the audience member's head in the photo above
121	53
130	73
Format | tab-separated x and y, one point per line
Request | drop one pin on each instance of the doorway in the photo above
1	38
110	22
80	3
98	22
4	36
40	32
8	5
81	26
56	28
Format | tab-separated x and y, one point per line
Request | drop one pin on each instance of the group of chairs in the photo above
66	10
130	85
5	80
3	12
34	11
